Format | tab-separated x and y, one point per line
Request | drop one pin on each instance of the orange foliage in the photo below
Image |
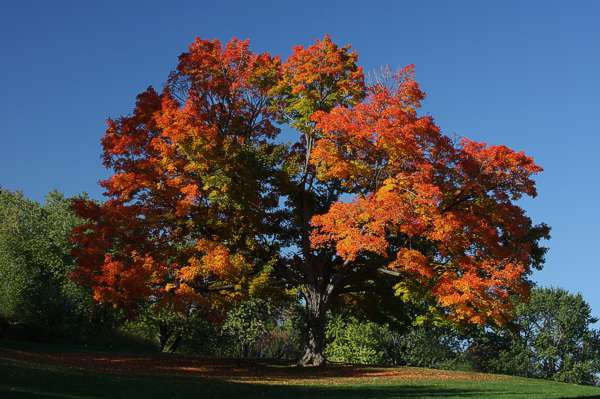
181	187
202	194
308	69
414	185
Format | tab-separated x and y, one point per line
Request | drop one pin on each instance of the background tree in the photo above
368	195
35	263
552	338
248	323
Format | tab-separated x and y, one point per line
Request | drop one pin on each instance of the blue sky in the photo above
524	74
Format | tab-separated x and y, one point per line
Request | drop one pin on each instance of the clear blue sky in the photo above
520	73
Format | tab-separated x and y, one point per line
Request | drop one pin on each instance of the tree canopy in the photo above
208	201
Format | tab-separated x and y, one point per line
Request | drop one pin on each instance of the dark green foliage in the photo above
552	337
431	346
257	328
38	300
555	326
172	331
497	351
252	329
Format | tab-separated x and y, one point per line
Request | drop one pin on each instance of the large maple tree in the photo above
244	165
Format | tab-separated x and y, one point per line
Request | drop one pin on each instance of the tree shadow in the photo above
232	369
31	373
24	381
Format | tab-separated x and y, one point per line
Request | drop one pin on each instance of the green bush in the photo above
355	341
431	346
350	340
246	325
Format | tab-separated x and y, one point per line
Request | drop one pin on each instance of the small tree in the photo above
248	323
555	327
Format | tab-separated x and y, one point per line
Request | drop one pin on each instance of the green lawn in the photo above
42	372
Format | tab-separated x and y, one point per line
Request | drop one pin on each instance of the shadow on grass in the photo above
23	381
53	371
163	365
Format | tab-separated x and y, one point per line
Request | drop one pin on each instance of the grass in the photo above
45	371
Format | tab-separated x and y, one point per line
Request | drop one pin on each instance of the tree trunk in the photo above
173	347
316	308
163	336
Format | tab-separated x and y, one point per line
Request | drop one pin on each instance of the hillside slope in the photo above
42	371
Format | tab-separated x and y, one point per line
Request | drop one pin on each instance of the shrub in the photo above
350	340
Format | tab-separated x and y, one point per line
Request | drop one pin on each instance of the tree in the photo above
248	323
368	194
35	263
552	338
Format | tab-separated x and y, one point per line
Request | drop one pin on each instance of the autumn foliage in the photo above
206	196
441	214
187	194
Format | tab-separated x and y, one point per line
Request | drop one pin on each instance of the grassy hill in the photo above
44	371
